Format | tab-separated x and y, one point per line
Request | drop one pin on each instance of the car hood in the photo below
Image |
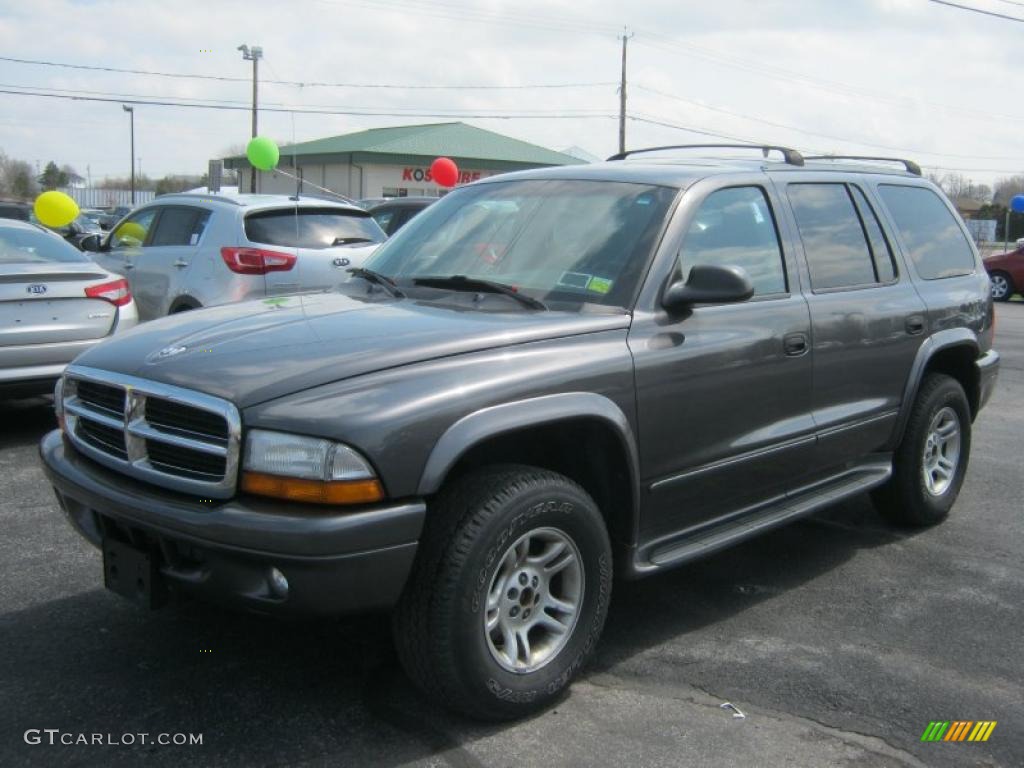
256	351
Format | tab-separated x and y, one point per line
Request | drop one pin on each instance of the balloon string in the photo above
316	186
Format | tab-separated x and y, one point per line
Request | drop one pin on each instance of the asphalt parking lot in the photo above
838	637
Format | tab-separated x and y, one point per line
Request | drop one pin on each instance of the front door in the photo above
723	391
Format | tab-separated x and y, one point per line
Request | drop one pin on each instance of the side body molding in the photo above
509	417
937	342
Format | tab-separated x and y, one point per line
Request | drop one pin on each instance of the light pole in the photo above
131	113
254	55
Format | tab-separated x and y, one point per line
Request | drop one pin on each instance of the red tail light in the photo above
116	292
256	261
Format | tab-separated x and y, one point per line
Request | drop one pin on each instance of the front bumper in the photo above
988	372
224	551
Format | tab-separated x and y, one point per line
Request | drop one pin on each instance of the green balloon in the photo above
262	153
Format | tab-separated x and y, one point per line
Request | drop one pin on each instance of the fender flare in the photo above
937	342
474	428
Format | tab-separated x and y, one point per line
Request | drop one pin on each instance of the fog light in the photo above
278	583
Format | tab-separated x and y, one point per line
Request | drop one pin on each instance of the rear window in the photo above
312	228
937	244
30	246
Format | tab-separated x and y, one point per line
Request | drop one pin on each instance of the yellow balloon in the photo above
55	209
130	233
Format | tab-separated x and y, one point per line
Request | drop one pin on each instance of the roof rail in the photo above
791	156
910	165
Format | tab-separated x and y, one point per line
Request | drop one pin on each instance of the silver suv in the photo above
186	251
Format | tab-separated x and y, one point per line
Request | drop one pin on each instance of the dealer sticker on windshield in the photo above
599	285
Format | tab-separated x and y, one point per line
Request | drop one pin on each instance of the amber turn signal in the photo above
313	491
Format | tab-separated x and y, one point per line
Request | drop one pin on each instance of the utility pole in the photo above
254	55
622	94
131	113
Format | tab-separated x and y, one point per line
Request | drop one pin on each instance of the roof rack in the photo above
791	156
910	165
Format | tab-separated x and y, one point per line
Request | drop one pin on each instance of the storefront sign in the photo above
423	174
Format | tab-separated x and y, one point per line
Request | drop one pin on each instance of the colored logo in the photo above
958	730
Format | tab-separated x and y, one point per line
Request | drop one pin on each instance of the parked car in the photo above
654	360
394	212
11	209
103	219
1006	271
54	304
185	251
76	231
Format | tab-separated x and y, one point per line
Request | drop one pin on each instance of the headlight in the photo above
307	469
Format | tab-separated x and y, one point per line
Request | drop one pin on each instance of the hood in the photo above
255	351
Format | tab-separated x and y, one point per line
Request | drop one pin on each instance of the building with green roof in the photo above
395	162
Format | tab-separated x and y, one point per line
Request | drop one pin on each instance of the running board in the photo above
680	548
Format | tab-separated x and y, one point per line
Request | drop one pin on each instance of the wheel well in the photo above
958	362
586	450
184	303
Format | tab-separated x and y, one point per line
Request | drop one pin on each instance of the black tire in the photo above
998	281
439	621
906	499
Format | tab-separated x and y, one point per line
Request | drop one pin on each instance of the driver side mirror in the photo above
92	243
709	284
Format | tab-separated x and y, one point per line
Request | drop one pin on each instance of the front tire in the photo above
931	461
1001	285
509	593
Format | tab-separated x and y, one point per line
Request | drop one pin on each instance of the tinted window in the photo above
312	228
735	227
133	231
179	226
556	240
937	245
30	246
837	252
384	217
19	212
885	267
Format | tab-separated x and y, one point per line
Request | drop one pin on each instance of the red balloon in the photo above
444	171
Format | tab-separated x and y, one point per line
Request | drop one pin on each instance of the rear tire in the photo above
931	460
1002	286
509	592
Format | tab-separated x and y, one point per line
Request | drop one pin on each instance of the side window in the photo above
837	251
885	267
937	245
735	227
132	231
383	218
180	226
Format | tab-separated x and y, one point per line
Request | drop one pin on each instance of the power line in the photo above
161	102
301	83
978	10
831	137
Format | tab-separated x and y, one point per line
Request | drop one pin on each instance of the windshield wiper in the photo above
463	283
377	278
350	240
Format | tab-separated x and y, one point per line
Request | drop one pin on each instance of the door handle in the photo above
129	265
181	263
915	325
795	344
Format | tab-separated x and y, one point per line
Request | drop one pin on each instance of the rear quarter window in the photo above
934	240
312	228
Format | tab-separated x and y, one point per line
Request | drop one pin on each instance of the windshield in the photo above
312	227
30	246
555	240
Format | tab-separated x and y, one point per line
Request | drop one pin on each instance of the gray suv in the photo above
545	379
186	251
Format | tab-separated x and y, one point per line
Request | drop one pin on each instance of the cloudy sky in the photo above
907	77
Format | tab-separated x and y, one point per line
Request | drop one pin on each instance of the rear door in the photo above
160	271
867	319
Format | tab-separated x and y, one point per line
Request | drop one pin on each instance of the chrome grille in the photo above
183	440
